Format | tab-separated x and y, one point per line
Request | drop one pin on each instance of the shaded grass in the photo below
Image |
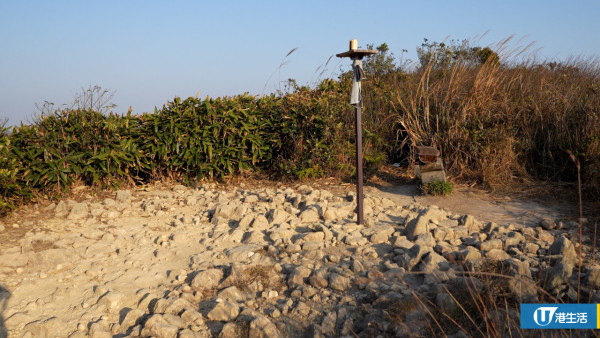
482	305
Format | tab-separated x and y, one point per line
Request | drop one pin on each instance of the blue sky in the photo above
151	51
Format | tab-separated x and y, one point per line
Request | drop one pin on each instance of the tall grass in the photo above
495	122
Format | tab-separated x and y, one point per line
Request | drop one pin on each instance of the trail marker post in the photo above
356	55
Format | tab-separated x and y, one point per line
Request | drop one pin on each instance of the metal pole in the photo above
355	99
359	160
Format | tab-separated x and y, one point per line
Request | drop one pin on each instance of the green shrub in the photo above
373	162
314	139
299	135
77	145
437	188
195	139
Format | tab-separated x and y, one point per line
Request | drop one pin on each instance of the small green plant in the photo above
437	188
312	172
373	162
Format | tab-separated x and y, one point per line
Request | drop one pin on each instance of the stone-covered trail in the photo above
269	262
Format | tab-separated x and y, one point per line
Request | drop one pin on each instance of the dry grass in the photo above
495	123
482	306
264	275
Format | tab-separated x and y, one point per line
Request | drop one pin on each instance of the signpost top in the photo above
355	53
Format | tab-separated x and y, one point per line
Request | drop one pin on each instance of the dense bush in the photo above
313	132
76	145
196	139
298	135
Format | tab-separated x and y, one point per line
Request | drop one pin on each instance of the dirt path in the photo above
502	211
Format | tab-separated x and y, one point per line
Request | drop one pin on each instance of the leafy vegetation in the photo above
497	119
437	188
196	138
76	145
443	55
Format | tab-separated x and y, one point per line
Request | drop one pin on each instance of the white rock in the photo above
51	327
491	244
309	215
513	238
158	326
338	282
416	227
355	240
251	199
283	234
425	240
402	242
123	196
207	279
246	220
260	222
112	300
278	216
559	275
78	211
263	327
232	293
470	222
311	246
224	312
313	236
179	188
497	255
432	262
254	237
132	318
192	316
413	256
330	213
61	207
565	249
548	224
224	210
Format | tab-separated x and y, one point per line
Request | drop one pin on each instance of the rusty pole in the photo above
359	162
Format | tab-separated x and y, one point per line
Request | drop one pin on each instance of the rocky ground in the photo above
272	262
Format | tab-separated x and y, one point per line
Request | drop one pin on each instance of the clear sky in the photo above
151	51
